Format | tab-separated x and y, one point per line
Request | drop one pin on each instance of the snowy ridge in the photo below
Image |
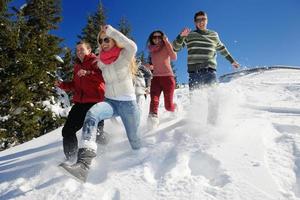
245	71
252	153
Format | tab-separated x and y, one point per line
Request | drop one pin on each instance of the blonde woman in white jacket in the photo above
116	61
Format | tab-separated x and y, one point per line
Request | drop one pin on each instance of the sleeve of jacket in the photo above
146	71
223	50
147	74
67	86
171	52
121	39
178	43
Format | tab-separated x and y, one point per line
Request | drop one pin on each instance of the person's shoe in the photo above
140	154
80	169
77	171
174	114
153	120
70	160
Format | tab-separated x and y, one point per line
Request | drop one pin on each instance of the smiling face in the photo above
157	38
105	42
201	22
82	50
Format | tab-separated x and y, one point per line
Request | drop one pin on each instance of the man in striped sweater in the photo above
202	45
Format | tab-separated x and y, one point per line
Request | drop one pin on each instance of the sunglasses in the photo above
156	37
198	20
105	40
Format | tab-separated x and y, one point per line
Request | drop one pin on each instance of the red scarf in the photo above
108	57
155	47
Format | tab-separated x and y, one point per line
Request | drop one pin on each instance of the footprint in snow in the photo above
202	164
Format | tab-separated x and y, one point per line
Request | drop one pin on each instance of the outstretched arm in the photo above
179	42
66	86
223	50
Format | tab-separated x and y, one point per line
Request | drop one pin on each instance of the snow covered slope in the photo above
252	153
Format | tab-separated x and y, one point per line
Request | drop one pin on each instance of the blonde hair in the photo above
133	65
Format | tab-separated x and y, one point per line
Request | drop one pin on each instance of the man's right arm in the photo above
178	43
66	85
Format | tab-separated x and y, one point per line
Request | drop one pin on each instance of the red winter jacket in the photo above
89	88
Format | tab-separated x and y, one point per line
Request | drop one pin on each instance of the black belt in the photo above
208	69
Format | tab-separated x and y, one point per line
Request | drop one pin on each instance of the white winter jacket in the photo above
117	75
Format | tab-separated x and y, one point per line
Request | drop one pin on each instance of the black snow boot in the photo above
101	137
80	169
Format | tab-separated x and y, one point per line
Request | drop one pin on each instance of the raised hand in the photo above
185	32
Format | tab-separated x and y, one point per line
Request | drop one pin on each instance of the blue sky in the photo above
256	32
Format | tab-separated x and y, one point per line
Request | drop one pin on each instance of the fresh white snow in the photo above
252	153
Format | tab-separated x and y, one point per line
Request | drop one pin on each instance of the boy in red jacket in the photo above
88	89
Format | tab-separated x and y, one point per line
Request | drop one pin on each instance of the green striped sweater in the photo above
202	49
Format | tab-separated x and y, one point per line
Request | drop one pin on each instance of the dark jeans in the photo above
72	125
201	78
204	78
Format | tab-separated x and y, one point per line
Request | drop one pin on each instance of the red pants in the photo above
165	84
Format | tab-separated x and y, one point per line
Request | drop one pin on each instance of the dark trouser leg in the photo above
73	124
101	126
198	80
168	84
206	79
155	92
102	137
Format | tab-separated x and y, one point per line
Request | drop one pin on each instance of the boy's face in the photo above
82	51
201	22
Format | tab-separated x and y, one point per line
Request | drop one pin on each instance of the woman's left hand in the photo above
165	39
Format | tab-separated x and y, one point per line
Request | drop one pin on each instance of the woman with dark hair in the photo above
160	55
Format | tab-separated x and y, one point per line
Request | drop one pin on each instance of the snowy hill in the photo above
252	153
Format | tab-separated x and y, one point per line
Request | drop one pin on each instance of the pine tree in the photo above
125	28
142	57
6	37
65	70
30	57
7	44
95	21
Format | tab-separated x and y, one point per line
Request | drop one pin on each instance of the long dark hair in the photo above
150	41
